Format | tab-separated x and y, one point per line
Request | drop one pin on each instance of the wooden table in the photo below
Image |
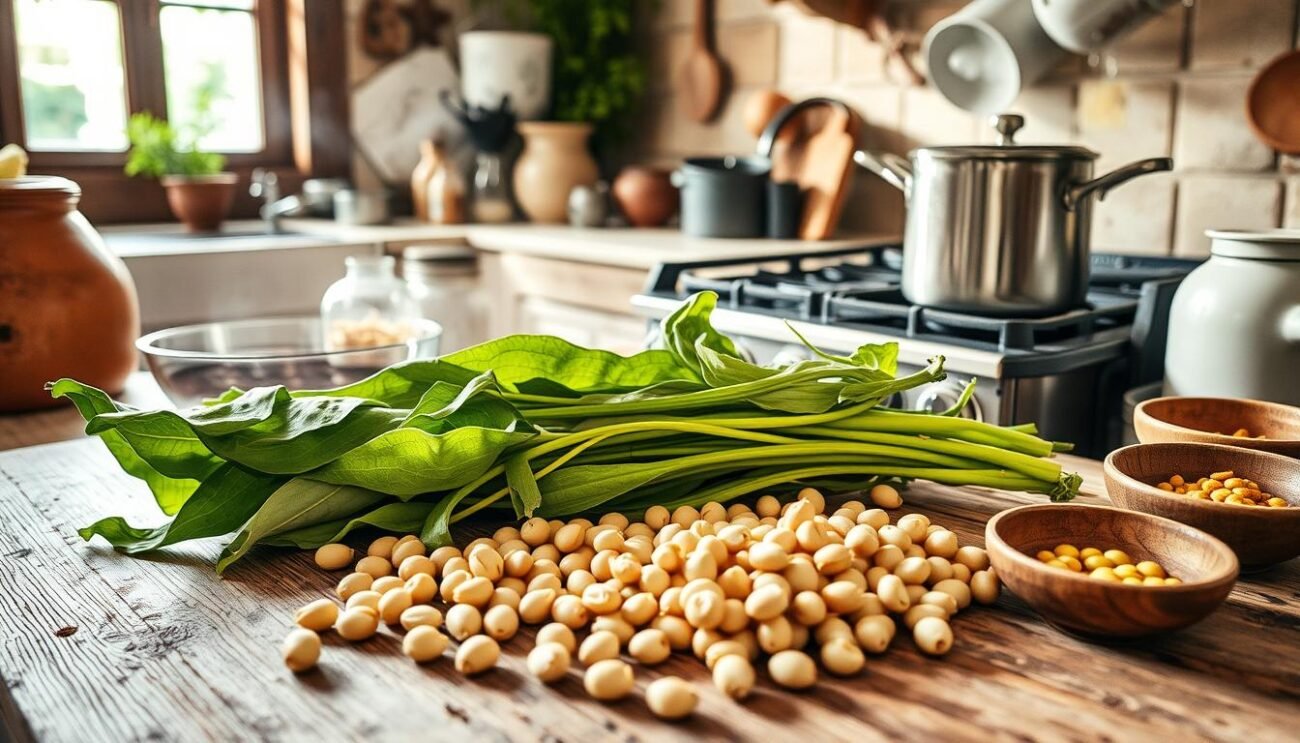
101	646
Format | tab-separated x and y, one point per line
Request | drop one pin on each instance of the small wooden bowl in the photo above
1097	608
1211	420
1260	536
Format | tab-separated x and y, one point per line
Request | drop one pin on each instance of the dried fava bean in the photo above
405	549
549	661
387	583
874	633
352	583
375	565
842	656
671	698
317	616
424	643
649	647
356	624
734	676
477	654
535	606
301	649
416	564
916	613
985	586
422	588
382	547
463	621
792	669
363	598
421	616
558	633
764	603
392	604
568	610
724	647
885	496
501	622
933	636
476	591
608	680
598	646
333	556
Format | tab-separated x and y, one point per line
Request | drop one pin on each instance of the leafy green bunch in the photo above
158	149
529	424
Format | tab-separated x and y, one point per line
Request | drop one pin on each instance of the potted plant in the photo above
199	192
596	78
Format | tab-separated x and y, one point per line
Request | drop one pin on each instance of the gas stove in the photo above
1066	372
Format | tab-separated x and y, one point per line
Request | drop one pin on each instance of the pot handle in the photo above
1103	184
767	139
677	178
893	169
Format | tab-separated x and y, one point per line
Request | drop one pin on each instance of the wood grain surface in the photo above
95	645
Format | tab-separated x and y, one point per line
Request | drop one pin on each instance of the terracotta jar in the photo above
67	305
554	160
646	196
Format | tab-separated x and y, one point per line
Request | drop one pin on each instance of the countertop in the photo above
161	649
626	247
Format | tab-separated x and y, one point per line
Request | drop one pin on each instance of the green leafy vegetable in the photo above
533	424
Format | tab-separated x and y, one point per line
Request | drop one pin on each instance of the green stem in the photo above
1039	469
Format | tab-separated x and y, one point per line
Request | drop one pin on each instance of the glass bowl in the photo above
196	362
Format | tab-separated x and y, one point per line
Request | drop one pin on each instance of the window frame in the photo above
142	54
306	108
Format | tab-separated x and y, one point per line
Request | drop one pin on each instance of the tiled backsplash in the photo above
1178	88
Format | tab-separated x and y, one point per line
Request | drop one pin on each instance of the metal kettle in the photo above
999	229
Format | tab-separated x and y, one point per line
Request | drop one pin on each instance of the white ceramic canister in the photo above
1234	329
513	63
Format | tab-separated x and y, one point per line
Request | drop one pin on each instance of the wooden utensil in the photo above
824	176
701	74
1273	104
1099	608
1212	420
1260	535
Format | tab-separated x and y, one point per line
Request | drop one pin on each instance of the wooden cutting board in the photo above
825	167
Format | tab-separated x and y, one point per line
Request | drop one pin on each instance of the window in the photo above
82	67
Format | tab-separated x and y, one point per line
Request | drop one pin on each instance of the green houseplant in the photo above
199	192
596	79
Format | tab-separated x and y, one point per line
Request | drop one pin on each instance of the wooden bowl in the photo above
1273	103
1097	608
1211	420
1259	535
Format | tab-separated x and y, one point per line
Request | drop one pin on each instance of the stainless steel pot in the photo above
999	229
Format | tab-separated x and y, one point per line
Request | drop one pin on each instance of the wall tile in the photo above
861	60
1156	46
881	109
667	55
1212	131
1049	116
872	206
929	119
1125	121
1291	215
1223	202
807	53
1234	33
749	51
1137	217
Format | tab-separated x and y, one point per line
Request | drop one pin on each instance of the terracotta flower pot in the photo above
646	196
554	160
201	201
67	304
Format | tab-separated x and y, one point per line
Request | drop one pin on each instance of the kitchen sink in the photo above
133	241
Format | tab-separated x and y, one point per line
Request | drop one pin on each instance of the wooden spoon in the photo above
701	75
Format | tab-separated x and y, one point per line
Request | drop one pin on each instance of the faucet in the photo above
266	186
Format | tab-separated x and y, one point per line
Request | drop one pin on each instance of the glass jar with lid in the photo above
369	306
444	281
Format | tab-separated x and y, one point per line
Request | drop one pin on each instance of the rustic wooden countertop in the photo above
95	645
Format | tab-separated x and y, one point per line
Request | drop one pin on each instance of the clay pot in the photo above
646	196
67	305
200	201
554	160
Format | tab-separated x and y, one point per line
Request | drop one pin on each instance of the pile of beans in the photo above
1223	487
1113	565
735	586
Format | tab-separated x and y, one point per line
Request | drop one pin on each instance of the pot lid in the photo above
1006	149
38	188
1268	245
